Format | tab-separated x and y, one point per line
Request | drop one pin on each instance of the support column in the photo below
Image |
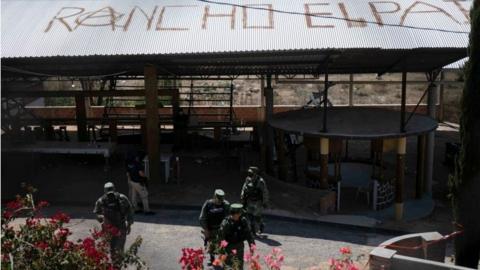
81	118
324	144
112	127
325	102
400	177
282	161
261	127
268	130
403	101
176	120
152	127
441	87
430	143
420	177
350	91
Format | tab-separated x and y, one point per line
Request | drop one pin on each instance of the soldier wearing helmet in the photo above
255	198
114	212
213	212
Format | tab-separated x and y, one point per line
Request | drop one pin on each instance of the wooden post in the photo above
400	177
81	118
268	130
430	142
350	91
324	162
217	133
282	162
152	128
325	102
262	135
441	98
403	101
420	177
177	133
112	127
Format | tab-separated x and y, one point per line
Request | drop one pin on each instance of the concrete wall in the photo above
244	115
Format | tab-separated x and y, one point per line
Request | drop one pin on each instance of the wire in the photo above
332	17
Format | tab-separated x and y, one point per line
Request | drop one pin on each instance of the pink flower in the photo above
234	251
223	244
32	222
217	262
277	250
345	250
62	232
247	256
353	267
253	247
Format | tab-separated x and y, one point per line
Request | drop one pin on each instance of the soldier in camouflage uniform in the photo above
114	210
255	197
235	229
213	212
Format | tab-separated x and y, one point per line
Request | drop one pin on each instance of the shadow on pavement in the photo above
274	227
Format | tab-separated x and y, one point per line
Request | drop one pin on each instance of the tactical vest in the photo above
215	214
253	192
112	210
237	232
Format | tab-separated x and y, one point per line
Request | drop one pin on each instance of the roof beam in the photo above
74	93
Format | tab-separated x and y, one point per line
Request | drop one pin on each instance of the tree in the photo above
465	184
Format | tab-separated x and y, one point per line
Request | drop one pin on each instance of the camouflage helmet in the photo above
219	194
253	169
109	187
236	208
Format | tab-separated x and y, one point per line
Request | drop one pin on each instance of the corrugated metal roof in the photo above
457	65
41	28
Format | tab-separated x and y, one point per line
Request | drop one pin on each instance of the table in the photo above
62	147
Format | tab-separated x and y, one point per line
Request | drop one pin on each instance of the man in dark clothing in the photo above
212	214
235	229
114	212
137	183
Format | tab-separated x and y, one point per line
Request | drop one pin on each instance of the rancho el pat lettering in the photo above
253	16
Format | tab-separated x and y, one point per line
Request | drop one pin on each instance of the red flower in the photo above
192	258
62	233
41	245
7	214
96	234
345	250
60	217
7	246
42	204
91	251
14	205
111	230
32	222
68	245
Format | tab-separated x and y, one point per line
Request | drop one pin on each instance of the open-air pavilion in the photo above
202	40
